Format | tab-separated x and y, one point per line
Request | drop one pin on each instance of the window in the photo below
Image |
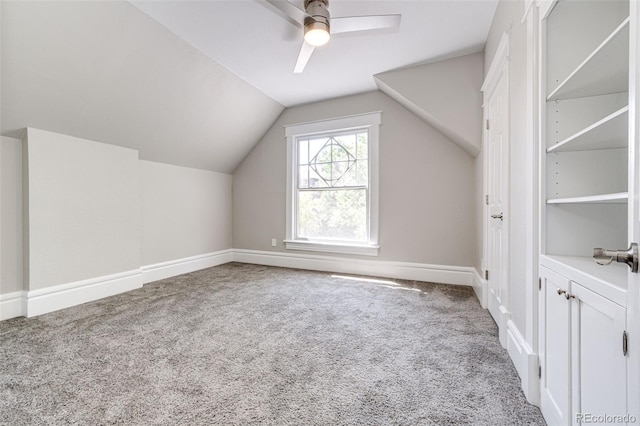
332	185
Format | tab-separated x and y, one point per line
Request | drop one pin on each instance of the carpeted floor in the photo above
247	344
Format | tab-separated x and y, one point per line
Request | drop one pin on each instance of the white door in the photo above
633	282
497	144
599	367
555	348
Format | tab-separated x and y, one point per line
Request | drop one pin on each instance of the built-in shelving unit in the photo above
585	129
585	158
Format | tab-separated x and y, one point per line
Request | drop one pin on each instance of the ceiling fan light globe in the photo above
317	37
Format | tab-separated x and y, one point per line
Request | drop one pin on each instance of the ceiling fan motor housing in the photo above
318	15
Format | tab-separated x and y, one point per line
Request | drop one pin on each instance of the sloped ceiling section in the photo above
445	94
261	47
105	71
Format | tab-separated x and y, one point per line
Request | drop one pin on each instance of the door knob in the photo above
629	256
497	216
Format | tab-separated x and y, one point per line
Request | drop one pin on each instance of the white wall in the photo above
10	215
426	185
184	212
83	209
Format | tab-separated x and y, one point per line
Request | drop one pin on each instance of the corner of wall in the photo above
444	93
480	288
429	118
25	211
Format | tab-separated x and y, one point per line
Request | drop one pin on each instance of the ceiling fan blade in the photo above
303	57
287	10
363	23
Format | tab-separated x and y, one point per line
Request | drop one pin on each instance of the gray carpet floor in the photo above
246	344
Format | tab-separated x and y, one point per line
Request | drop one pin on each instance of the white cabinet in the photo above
582	358
555	349
599	362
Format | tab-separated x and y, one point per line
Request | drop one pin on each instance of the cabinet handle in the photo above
567	295
498	216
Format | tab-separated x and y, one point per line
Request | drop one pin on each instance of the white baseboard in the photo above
38	302
160	271
480	288
525	361
460	275
505	318
12	305
71	294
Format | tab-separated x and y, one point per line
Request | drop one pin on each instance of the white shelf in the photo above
610	281
615	198
602	71
610	132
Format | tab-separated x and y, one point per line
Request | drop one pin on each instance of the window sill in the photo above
362	250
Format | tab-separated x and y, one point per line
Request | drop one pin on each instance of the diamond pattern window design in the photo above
333	187
333	161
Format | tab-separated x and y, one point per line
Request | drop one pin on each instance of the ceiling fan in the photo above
318	25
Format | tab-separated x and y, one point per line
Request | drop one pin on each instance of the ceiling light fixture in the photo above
316	36
316	25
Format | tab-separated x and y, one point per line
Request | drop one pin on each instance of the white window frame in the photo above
371	121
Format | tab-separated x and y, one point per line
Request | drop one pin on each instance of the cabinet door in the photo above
599	363
555	347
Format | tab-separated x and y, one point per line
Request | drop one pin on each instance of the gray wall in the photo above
184	212
83	209
426	185
10	215
106	71
95	209
508	19
446	94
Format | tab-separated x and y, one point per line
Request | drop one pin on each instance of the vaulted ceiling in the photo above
198	83
261	47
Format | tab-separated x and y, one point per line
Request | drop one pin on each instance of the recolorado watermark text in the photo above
605	418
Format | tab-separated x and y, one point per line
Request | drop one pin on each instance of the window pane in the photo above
340	168
303	152
349	178
315	181
325	170
333	215
362	146
303	177
362	175
348	142
339	152
315	145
